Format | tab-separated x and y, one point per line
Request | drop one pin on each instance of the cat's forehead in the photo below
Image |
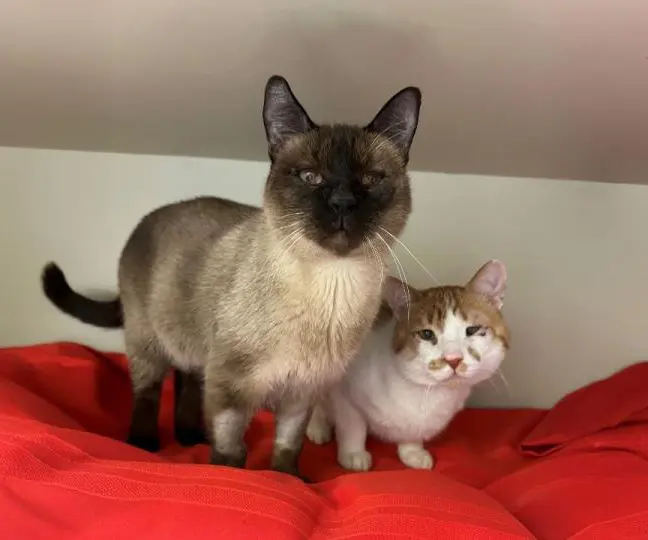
434	305
342	149
437	303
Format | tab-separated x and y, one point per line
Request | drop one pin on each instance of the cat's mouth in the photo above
339	242
341	224
340	235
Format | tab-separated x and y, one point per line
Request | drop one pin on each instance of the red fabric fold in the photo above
585	415
66	473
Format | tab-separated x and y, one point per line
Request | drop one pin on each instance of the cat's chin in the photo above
429	382
338	243
452	381
341	245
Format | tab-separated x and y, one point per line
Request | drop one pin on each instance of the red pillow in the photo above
621	399
66	474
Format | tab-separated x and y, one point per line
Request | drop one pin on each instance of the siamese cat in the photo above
261	307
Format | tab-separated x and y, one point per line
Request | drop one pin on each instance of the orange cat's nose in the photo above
453	360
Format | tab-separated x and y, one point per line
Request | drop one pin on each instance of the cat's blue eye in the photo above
472	330
310	177
427	335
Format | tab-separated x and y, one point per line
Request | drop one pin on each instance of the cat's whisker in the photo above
292	214
416	260
491	378
282	249
287	240
366	251
401	273
506	384
497	390
379	261
288	226
294	242
292	217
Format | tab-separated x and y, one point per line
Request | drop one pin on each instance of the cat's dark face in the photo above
338	185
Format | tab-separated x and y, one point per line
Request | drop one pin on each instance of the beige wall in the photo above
533	88
575	251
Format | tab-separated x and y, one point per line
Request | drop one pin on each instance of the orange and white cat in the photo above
415	372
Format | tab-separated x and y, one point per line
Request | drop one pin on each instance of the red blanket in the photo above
577	471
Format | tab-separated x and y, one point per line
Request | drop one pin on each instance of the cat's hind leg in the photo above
189	420
148	366
320	430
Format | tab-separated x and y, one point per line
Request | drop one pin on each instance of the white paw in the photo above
416	458
319	432
355	461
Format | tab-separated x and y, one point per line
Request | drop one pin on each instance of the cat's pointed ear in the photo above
490	280
398	296
283	115
398	119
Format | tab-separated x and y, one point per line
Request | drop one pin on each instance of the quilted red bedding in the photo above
577	471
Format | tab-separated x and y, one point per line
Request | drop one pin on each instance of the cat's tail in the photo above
103	313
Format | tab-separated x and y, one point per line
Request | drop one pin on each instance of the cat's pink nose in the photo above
453	360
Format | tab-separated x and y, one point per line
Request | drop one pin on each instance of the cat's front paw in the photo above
415	457
319	432
355	461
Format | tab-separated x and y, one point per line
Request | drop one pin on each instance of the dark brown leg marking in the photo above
144	421
189	420
148	369
291	422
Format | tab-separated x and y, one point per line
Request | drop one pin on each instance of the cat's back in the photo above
171	241
177	227
202	216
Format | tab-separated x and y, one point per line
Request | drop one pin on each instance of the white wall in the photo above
576	252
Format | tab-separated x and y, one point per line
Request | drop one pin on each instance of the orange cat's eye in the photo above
427	335
475	330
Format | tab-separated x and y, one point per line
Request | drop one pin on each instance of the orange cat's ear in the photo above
490	280
399	296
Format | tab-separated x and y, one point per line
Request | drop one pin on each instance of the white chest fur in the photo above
341	296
